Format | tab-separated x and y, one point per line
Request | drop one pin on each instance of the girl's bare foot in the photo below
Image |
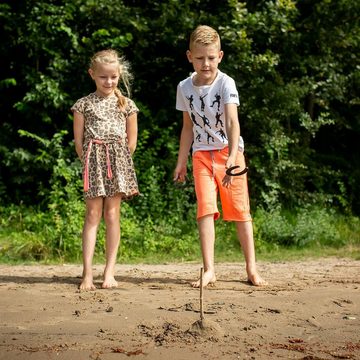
87	283
109	282
256	280
209	278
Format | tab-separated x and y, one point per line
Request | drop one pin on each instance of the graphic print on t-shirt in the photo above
209	137
191	99
202	102
205	106
198	136
222	135
206	122
217	100
218	120
193	118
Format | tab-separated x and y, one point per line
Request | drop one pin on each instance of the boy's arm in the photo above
186	140
132	131
79	123
233	132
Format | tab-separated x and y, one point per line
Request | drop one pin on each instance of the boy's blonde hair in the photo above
204	35
111	56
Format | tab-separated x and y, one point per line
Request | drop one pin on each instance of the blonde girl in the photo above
105	135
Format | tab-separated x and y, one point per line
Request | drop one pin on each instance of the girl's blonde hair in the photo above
204	35
111	56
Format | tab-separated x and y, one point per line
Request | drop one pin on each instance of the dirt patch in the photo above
310	310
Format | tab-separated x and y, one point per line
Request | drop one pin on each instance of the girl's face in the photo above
106	77
205	60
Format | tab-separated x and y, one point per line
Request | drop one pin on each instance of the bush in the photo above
28	234
310	226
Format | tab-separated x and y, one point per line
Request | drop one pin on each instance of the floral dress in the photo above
108	167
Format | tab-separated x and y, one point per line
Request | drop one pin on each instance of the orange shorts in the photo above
209	171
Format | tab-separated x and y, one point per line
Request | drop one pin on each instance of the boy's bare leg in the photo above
92	220
112	221
246	238
207	242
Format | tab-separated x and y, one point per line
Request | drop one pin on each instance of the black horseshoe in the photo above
230	170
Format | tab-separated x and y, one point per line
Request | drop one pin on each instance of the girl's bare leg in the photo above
246	238
91	224
112	221
207	242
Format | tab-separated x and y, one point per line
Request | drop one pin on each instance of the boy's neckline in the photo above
193	79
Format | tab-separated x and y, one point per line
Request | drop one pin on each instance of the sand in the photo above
310	310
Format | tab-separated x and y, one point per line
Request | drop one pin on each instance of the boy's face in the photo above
205	60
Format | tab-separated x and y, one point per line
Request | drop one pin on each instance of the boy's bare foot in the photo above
109	283
87	284
209	278
256	280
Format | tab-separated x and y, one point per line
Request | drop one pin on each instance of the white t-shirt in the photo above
205	106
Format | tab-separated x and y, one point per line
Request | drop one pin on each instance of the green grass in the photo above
297	254
279	254
28	237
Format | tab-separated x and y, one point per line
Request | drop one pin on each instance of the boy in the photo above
208	99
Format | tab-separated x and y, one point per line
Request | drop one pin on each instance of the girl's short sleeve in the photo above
78	106
131	107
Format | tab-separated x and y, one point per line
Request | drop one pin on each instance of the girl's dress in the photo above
108	167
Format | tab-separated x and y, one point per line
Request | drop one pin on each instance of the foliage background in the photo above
298	74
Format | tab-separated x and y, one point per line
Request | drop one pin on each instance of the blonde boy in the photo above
209	99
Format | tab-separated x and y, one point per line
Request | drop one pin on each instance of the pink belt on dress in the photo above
87	157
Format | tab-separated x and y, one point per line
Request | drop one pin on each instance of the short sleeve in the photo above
230	93
131	107
78	106
180	101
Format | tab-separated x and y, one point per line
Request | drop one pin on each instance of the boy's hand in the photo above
226	181
229	163
180	173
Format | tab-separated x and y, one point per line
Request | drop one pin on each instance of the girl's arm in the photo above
186	140
79	123
233	132
132	131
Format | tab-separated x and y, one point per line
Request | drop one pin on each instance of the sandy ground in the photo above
310	310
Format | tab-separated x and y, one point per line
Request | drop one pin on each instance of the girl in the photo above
105	134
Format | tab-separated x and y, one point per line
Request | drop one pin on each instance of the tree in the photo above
294	63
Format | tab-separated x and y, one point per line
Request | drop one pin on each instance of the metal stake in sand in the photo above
204	327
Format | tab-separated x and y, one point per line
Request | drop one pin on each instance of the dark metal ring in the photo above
230	170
